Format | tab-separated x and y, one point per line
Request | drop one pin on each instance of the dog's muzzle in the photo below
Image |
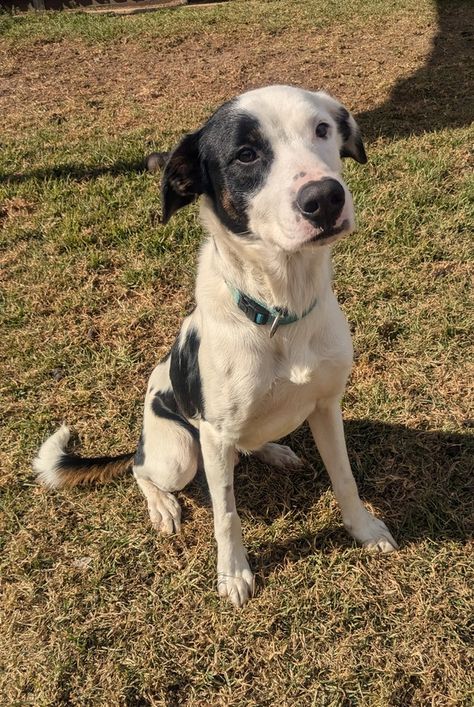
321	202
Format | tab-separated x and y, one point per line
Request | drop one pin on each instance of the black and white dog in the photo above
267	346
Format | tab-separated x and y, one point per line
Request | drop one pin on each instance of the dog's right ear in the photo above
182	178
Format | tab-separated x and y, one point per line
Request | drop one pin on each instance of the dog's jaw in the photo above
265	271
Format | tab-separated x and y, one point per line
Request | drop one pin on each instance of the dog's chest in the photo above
276	394
284	399
295	367
277	413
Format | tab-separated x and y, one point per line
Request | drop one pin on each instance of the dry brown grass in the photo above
173	79
98	610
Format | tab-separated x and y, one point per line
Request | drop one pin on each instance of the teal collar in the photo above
260	314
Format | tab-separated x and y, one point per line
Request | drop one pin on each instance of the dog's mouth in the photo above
323	234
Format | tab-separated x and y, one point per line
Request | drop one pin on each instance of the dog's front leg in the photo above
328	432
234	578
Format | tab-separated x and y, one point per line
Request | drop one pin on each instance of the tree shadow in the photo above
418	481
440	93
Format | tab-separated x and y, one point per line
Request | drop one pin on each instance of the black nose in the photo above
321	202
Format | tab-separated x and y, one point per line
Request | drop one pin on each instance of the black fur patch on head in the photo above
228	181
342	120
164	405
352	145
185	375
206	162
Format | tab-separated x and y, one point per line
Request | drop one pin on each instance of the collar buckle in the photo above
257	313
252	310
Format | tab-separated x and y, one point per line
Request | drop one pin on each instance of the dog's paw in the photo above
165	512
236	584
238	589
372	534
278	455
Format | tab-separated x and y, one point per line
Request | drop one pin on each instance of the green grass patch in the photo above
276	16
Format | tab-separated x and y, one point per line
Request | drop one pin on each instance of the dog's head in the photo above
269	163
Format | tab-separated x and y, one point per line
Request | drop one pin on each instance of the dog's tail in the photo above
56	468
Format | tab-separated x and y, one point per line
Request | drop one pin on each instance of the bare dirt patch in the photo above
132	83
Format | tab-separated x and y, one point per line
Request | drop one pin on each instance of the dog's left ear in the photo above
352	145
182	180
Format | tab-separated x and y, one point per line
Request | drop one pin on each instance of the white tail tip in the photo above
47	461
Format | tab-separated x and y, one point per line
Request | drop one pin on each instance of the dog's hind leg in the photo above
163	507
278	455
166	461
168	453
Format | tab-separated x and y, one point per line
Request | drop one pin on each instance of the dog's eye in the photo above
247	154
322	130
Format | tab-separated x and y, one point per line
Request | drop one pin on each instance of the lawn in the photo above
97	609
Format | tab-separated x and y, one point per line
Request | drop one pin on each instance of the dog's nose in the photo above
321	202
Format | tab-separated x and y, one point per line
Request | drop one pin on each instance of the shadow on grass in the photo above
75	171
419	482
439	94
436	96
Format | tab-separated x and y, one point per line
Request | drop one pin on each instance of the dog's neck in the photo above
265	272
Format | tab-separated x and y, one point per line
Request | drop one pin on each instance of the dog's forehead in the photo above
284	110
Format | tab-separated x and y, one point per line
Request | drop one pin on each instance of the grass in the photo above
273	16
98	610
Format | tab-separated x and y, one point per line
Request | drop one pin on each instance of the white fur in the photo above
46	462
256	388
289	117
171	453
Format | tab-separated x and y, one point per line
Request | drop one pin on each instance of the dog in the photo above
267	346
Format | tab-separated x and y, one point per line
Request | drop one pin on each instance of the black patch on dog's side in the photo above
164	405
185	376
139	458
227	181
